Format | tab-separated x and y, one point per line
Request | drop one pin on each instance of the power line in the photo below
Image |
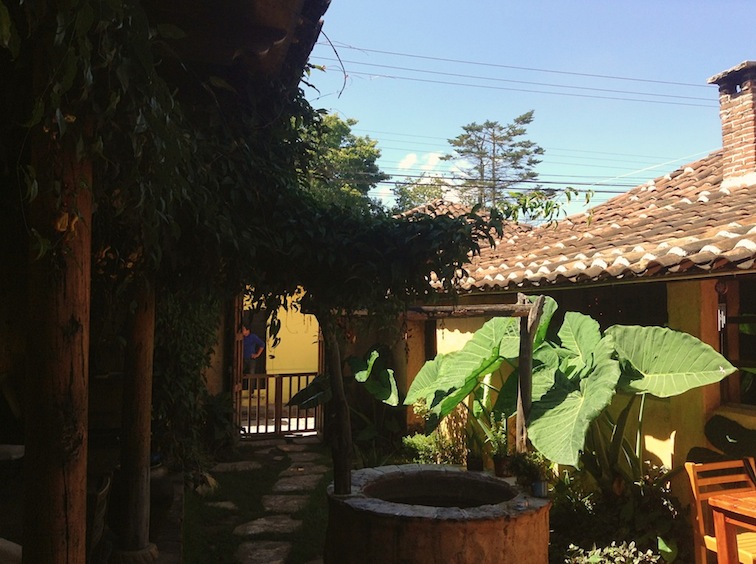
548	154
547	161
472	184
511	81
513	67
510	89
368	131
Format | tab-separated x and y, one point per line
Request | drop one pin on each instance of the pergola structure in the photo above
530	315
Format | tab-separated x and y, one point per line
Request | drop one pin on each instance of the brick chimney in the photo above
737	110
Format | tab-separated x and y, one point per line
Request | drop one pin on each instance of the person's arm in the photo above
260	348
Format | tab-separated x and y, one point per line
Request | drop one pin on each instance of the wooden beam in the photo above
441	311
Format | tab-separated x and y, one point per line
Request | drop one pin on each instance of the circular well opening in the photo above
434	489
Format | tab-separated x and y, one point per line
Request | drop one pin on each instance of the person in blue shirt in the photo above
253	347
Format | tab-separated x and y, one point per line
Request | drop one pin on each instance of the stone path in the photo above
289	495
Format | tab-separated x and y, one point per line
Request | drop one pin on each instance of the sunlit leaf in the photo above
666	362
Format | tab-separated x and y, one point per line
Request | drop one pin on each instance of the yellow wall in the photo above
297	352
673	426
452	334
692	307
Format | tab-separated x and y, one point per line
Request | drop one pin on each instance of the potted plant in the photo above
532	470
498	440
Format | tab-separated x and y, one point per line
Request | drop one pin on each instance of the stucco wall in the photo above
297	351
692	307
675	425
452	334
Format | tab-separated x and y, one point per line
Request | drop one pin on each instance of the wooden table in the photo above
731	511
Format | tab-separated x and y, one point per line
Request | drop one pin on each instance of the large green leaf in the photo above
382	386
506	402
315	393
560	418
666	362
425	384
549	308
579	335
378	379
497	339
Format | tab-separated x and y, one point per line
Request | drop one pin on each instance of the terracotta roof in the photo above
454	209
438	207
681	224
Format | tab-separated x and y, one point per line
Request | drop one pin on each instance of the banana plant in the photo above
372	372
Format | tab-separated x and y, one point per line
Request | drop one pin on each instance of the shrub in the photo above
432	449
624	553
185	334
643	514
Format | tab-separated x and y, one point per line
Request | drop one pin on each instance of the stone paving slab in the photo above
292	448
230	505
313	440
263	552
280	524
304	456
240	466
263	443
297	483
302	468
287	503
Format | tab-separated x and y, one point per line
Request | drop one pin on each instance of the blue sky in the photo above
618	87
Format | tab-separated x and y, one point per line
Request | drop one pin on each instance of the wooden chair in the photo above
709	479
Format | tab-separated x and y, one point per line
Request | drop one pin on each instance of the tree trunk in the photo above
56	387
342	435
137	409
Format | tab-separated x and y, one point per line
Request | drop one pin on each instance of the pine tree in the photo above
497	162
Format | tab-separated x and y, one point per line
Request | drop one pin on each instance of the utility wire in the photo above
529	69
511	81
548	153
369	131
510	89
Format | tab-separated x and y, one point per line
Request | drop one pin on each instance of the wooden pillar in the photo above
56	386
528	328
133	543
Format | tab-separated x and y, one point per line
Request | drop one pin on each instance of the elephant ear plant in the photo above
576	374
448	380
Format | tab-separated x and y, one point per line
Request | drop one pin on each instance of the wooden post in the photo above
278	399
56	386
133	544
528	327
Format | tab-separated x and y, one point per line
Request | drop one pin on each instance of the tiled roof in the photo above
682	224
438	207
